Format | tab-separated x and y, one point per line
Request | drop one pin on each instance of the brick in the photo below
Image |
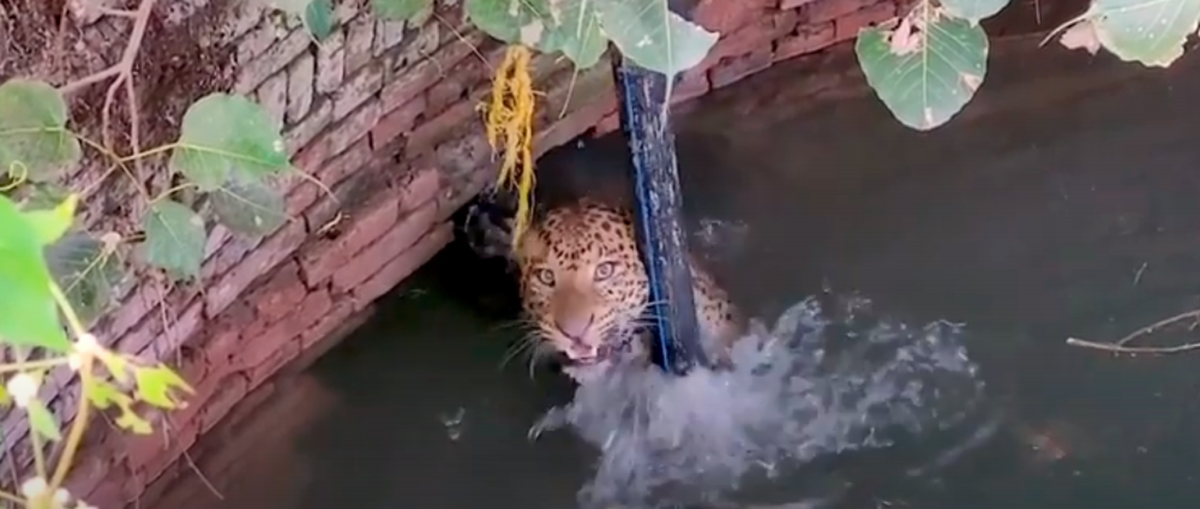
279	295
734	70
272	96
140	337
357	89
354	127
400	237
388	34
427	40
788	5
608	124
397	123
723	16
331	62
452	88
691	86
285	334
232	253
360	35
429	134
573	125
809	38
846	27
820	11
217	238
366	226
330	330
256	42
784	23
404	265
272	61
330	174
301	80
302	134
419	187
404	84
231	390
178	330
408	83
271	365
274	250
133	310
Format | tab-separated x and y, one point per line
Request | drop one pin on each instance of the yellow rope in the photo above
509	127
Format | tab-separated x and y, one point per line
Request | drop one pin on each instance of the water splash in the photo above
830	377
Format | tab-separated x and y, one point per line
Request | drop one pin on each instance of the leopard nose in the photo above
574	328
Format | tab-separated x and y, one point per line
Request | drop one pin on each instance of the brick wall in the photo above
385	116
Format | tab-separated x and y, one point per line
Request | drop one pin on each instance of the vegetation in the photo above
57	277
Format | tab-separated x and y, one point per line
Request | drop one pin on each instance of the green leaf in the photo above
157	385
42	421
50	225
653	36
28	313
33	131
1151	32
41	195
973	10
320	19
225	135
174	239
576	32
249	207
511	21
400	10
927	69
87	273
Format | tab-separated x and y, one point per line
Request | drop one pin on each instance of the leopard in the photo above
585	291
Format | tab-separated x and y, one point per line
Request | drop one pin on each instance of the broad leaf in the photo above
28	313
40	195
42	421
400	10
576	32
157	386
224	135
320	19
33	131
87	273
249	207
288	6
973	10
174	239
511	21
653	37
927	69
1152	32
51	224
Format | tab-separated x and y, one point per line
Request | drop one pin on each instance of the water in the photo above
1043	213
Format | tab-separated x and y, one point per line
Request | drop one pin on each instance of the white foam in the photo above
827	381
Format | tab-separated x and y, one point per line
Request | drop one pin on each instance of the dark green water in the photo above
1046	219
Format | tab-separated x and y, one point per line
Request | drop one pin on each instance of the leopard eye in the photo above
605	270
545	276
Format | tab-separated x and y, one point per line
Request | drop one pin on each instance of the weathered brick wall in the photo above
385	116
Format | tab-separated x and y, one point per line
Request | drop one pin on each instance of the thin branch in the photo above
1152	350
1120	345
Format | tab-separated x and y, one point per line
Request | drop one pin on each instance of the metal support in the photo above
646	124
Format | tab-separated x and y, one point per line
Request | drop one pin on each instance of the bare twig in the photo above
1120	345
1152	350
122	71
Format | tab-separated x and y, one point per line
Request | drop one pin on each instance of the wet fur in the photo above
563	287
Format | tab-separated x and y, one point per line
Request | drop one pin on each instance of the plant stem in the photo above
75	436
32	365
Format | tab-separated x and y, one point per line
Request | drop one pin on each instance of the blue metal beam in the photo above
647	128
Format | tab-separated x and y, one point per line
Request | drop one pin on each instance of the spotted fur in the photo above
585	287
